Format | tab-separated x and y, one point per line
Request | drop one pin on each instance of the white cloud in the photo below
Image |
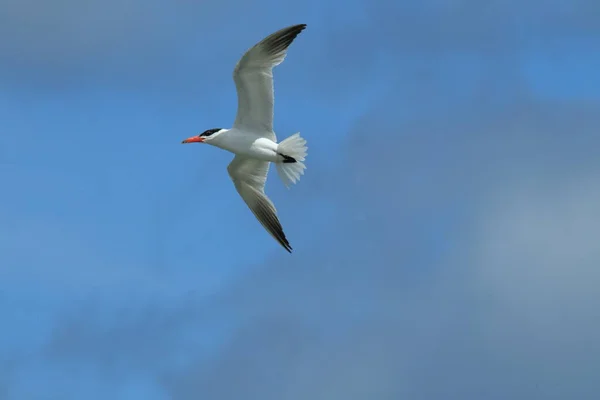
536	256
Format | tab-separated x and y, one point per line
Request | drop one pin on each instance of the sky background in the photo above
445	232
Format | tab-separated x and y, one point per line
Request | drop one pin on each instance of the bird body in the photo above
248	144
252	138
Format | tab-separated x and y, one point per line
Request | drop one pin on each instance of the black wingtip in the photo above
284	242
281	40
297	27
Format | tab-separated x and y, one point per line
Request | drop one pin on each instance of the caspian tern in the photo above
252	138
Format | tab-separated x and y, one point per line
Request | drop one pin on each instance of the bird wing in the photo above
253	77
249	176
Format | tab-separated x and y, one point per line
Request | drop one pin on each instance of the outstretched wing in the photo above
253	77
249	176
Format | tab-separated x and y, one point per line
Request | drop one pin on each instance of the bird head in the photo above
203	137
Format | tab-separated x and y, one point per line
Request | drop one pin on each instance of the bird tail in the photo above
293	151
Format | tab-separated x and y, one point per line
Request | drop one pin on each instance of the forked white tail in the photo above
295	147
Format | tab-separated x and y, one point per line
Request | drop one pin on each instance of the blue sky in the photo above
445	230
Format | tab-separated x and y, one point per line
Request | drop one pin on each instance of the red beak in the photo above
194	139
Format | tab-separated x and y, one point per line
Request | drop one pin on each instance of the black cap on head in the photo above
210	132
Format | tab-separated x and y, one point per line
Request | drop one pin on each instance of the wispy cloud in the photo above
471	276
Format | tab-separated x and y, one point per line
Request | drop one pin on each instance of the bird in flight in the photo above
252	138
